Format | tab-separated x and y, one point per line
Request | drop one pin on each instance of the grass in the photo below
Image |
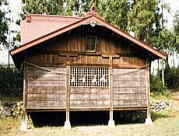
159	96
8	126
5	99
164	124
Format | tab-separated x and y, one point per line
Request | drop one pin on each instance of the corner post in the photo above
111	122
67	124
24	121
148	120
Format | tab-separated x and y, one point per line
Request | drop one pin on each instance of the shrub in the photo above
172	77
156	85
10	82
15	110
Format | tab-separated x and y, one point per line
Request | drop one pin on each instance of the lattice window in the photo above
89	76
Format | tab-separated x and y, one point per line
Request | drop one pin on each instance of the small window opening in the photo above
91	44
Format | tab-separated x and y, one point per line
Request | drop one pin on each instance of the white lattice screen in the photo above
89	76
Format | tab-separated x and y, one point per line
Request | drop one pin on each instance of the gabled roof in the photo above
66	24
37	25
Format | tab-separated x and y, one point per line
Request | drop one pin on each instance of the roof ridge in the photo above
58	16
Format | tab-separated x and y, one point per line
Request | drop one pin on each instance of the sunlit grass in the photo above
164	124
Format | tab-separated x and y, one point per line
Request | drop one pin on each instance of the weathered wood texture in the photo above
73	45
89	97
45	89
121	62
130	87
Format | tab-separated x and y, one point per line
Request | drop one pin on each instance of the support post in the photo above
24	123
111	122
148	120
67	124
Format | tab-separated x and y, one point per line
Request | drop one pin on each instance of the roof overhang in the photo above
87	20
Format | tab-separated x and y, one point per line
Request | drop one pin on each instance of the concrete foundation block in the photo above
111	123
148	121
67	125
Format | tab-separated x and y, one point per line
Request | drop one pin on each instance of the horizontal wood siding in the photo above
89	97
129	88
54	59
46	89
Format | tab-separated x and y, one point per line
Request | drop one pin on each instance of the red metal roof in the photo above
36	25
39	28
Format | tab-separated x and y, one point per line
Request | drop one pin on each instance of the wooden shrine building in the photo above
82	64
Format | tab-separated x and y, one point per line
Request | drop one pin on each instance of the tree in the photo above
165	41
113	11
53	7
176	29
144	18
3	25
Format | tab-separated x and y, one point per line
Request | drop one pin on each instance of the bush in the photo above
10	82
156	85
172	78
15	110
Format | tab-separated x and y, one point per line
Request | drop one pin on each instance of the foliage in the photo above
176	23
156	85
176	29
113	11
172	77
3	25
15	110
10	82
53	7
143	16
165	41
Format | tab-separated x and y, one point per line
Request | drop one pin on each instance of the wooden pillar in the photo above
67	124
24	121
24	86
111	122
148	120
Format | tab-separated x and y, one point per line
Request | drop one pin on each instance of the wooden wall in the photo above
47	89
130	88
89	98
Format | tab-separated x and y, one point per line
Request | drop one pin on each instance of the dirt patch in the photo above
175	101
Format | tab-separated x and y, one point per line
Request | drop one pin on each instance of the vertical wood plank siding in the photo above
47	90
